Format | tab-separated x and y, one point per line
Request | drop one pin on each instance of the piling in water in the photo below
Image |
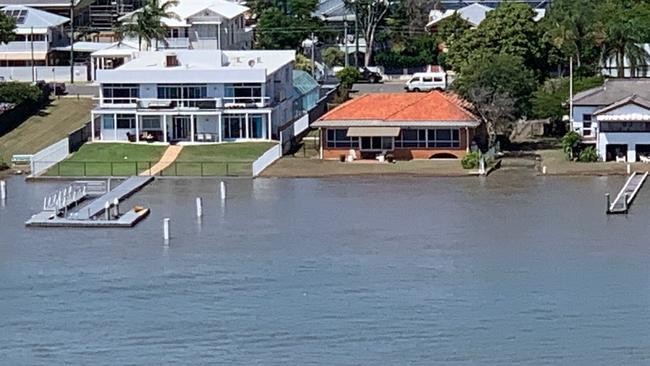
107	209
223	190
199	207
116	204
608	202
3	190
166	229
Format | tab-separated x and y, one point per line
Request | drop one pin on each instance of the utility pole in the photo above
313	47
31	43
356	36
345	39
571	92
71	41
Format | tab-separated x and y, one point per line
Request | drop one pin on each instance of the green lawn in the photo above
109	159
46	127
218	160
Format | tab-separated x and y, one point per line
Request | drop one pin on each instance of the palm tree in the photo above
623	41
145	23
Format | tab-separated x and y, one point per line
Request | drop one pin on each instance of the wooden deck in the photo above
627	194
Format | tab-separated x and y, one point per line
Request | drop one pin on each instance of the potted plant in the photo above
342	158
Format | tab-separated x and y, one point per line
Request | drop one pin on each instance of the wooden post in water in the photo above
625	197
629	170
223	191
107	210
116	204
608	202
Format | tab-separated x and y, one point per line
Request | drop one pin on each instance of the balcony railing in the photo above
186	104
588	134
175	43
24	46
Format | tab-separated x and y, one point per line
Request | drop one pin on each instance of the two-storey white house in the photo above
196	96
615	118
204	24
37	33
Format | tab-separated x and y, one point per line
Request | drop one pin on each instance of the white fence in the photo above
268	158
51	155
301	125
46	73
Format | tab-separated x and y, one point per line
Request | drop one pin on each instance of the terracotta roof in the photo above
408	107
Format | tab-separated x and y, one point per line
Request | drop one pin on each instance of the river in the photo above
512	269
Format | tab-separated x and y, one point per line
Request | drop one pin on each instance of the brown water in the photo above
514	269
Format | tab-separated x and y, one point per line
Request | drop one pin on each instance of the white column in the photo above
164	128
93	74
115	126
137	128
269	135
92	126
248	132
467	139
220	127
192	127
631	153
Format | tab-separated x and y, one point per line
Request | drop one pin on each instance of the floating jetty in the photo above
64	208
626	196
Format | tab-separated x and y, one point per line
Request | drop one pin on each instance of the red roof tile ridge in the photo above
458	102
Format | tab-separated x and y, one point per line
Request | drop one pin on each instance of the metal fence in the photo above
70	168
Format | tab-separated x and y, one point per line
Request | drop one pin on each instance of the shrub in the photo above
588	155
348	76
16	92
471	160
569	143
332	56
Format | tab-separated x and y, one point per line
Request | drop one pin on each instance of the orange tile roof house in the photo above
408	125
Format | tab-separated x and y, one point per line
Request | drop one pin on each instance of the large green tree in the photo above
499	87
509	29
279	28
7	27
370	14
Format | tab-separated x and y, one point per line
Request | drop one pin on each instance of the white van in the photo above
426	81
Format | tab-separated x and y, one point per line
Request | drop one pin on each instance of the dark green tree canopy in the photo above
7	27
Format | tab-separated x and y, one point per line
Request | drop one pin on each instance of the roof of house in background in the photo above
185	9
397	108
633	99
39	3
28	18
303	83
612	91
473	13
333	10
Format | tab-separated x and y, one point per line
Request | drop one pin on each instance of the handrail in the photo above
175	103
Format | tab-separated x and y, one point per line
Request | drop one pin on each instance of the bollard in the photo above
107	209
608	202
223	190
628	169
166	229
625	197
199	207
116	203
544	170
3	190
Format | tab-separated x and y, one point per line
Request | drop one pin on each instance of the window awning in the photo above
373	131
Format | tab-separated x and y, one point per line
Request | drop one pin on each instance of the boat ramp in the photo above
625	197
65	208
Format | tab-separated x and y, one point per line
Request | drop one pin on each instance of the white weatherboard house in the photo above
615	118
205	24
37	33
196	96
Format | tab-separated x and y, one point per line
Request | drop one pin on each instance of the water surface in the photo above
514	269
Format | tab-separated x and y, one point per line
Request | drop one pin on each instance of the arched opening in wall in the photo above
443	156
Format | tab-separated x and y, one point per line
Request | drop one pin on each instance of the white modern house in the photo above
615	118
37	34
197	96
205	24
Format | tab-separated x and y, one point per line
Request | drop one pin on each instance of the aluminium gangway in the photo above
627	194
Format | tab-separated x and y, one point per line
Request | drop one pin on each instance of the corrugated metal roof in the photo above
303	83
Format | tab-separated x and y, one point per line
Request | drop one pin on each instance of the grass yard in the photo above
109	159
234	159
46	127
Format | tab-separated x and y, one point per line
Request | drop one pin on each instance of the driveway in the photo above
82	89
385	87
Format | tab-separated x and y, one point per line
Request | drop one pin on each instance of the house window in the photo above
428	138
244	92
338	138
125	121
443	138
233	126
150	123
412	138
586	124
182	91
108	123
120	93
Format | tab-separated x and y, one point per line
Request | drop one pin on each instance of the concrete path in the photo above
166	160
